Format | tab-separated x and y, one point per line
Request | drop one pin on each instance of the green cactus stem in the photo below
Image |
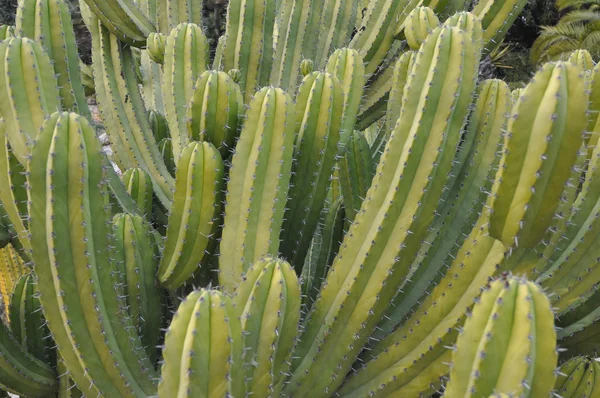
319	110
496	18
29	92
379	247
82	299
356	171
49	23
418	24
186	57
248	44
193	220
544	135
578	377
258	185
508	344
139	186
203	349
268	301
214	111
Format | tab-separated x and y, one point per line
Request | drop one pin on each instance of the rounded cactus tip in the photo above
235	74
307	66
156	47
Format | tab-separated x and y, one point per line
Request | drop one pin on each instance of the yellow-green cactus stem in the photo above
6	231
27	322
139	186
399	79
496	17
507	345
87	79
186	57
182	11
307	66
124	19
66	385
20	372
258	185
268	302
218	59
543	137
319	109
70	233
356	171
324	247
337	21
124	115
249	43
583	59
6	31
156	44
12	268
159	125
378	31
166	150
593	126
202	356
137	255
578	378
193	220
49	23
395	216
468	191
214	111
13	194
418	24
29	90
347	65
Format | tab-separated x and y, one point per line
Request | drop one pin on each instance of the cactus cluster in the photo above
354	213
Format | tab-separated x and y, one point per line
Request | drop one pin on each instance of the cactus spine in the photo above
268	301
49	23
192	222
203	349
318	119
69	224
377	251
186	57
258	185
508	344
214	111
544	136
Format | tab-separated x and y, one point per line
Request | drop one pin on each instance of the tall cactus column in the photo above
82	301
384	238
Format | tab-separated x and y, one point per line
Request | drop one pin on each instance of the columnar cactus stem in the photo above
13	194
69	224
192	222
383	240
29	92
356	173
11	269
347	65
544	136
27	321
418	24
123	110
136	254
124	19
49	23
186	57
214	111
496	18
469	186
258	185
139	186
248	43
203	349
319	109
182	11
268	302
20	372
578	377
399	80
508	344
